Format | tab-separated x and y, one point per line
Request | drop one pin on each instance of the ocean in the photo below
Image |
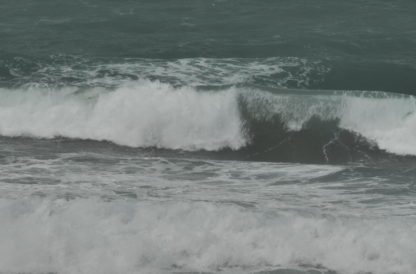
208	136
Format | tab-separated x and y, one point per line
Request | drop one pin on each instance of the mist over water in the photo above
207	136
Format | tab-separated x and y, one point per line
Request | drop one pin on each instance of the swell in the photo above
218	29
393	76
253	124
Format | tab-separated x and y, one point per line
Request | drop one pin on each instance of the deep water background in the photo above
368	45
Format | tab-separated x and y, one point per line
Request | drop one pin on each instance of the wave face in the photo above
264	125
352	125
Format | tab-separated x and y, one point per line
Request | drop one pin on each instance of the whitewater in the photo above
207	136
154	114
152	178
102	211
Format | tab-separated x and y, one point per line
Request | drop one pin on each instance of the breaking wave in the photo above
291	125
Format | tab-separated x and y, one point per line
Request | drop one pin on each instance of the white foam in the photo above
125	236
140	114
182	72
153	114
390	122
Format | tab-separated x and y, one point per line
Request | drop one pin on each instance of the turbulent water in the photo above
208	136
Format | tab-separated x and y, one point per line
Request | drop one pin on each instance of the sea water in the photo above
208	136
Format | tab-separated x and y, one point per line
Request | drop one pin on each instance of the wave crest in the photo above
144	114
278	125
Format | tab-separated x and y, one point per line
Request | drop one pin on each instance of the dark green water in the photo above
366	44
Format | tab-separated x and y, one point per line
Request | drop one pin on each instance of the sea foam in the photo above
126	236
154	114
144	114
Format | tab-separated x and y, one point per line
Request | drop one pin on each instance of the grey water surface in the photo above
208	136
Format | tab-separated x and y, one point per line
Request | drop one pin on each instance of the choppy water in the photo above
200	136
